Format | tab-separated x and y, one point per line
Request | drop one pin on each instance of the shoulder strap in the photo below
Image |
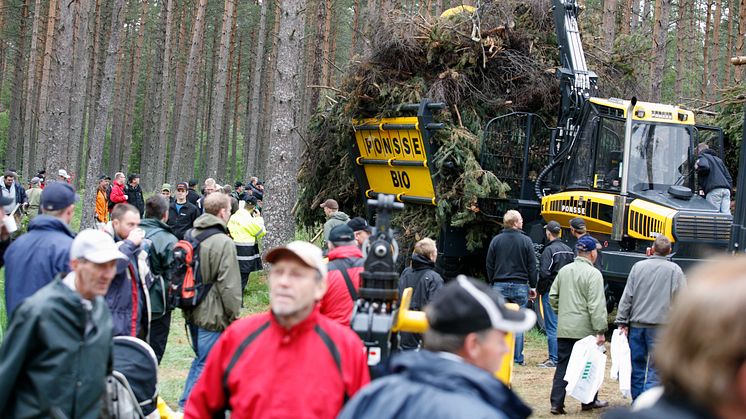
207	234
334	352
237	355
343	270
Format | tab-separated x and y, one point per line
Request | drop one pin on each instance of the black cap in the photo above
577	223
341	233
57	196
182	185
359	224
192	182
102	177
467	305
553	227
237	184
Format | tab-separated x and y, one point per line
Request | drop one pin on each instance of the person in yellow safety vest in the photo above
246	227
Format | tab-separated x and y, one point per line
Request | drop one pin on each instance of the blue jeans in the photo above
514	293
550	326
720	198
202	342
641	343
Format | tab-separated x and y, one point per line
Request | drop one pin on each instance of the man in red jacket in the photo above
117	195
345	264
288	362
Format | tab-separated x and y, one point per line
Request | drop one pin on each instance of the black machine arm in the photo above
374	311
577	82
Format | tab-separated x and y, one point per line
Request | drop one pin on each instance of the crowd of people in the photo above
68	295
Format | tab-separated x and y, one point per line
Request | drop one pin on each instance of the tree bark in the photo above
681	52
15	133
609	25
43	124
326	48
219	90
281	181
190	90
741	35
714	83
134	82
31	88
658	65
57	128
79	81
251	140
234	132
705	51
165	89
263	148
355	29
635	23
96	146
729	53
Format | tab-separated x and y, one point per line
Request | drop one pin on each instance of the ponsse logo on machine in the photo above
573	210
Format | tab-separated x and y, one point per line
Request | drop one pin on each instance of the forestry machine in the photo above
625	166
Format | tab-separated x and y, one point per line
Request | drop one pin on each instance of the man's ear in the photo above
471	349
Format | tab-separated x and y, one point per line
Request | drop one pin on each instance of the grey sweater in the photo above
650	288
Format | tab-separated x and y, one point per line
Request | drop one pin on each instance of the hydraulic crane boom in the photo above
577	82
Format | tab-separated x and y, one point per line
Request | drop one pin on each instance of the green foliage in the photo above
730	119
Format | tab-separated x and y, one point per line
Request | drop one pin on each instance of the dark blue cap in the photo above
57	195
587	243
341	233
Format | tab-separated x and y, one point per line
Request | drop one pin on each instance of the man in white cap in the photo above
63	176
453	376
290	361
54	359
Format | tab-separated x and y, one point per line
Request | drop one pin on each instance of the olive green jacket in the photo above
577	295
218	266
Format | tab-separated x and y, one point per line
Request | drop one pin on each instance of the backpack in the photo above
186	289
157	284
342	265
108	197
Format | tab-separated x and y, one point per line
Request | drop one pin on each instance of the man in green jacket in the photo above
218	266
55	357
159	245
577	295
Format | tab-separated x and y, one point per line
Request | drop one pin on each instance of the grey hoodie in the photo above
334	220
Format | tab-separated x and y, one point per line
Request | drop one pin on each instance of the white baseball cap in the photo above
95	246
308	253
63	173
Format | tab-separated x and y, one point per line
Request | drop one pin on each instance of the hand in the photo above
532	294
600	339
624	330
136	236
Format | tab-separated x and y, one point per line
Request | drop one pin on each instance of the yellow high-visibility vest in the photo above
245	228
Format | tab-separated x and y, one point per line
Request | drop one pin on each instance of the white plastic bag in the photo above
621	362
585	370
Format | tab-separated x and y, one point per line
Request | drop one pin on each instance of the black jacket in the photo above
425	283
425	384
192	197
182	220
555	255
49	363
511	257
134	197
712	172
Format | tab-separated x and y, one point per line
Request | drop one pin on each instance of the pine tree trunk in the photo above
79	82
681	53
219	91
729	50
98	56
31	89
609	25
251	140
714	84
705	50
635	23
281	181
646	22
180	75
333	54
326	59
741	35
15	133
658	65
57	128
44	89
190	92
263	149
159	170
234	133
134	83
626	17
3	51
355	29
102	116
314	65
120	95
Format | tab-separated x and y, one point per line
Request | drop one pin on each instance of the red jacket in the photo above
117	194
282	373
337	303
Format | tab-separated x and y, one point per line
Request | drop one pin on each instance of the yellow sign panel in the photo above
394	158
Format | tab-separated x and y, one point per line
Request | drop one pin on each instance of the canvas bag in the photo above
585	370
621	363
